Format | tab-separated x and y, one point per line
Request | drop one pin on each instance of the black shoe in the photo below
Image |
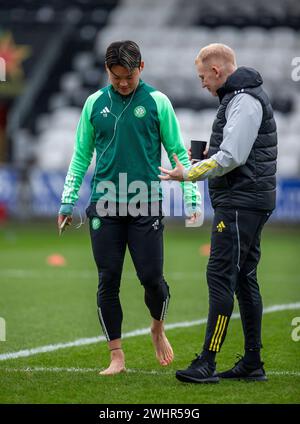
200	371
243	371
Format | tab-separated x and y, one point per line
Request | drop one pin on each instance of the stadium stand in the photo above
170	34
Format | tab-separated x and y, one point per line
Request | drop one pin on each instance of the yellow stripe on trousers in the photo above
218	333
215	332
221	334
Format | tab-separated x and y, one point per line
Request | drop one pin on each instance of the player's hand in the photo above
175	174
63	221
194	220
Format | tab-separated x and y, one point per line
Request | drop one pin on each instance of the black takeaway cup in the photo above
197	149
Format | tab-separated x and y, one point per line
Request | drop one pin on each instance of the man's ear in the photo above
217	71
142	66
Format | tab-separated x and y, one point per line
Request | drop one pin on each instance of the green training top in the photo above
126	132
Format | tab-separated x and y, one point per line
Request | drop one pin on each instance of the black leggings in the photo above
144	237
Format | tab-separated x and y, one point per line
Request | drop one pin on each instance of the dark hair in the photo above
124	53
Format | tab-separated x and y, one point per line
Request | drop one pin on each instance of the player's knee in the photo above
220	292
150	279
250	294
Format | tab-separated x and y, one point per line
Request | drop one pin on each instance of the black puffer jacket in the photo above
252	185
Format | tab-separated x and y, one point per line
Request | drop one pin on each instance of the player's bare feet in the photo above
117	362
163	349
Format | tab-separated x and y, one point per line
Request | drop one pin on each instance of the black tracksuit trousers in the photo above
110	235
232	266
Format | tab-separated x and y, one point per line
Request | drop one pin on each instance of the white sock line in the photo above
128	370
139	332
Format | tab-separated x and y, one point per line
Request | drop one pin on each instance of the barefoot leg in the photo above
163	349
117	359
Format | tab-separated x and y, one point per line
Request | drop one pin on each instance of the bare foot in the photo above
164	351
117	364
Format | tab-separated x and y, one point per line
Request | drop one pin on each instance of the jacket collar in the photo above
242	77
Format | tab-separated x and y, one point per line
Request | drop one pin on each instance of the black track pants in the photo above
232	266
144	237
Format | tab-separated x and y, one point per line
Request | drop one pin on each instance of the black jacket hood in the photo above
243	77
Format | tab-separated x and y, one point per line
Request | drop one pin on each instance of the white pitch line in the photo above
134	333
129	370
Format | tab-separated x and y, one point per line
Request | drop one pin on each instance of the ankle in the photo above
157	326
117	355
252	357
209	356
114	345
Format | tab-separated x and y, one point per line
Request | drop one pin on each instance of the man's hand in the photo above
62	222
195	160
192	220
175	174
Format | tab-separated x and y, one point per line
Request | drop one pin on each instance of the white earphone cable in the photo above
117	118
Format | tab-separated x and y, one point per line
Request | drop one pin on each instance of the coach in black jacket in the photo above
241	169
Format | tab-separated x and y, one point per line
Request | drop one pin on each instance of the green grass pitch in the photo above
45	305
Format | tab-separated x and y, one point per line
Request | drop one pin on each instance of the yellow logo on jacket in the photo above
221	226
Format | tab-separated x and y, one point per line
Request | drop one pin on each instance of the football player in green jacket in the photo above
126	123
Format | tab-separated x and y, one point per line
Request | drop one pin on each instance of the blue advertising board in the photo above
41	191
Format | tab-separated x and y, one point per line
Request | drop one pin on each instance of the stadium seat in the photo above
170	34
